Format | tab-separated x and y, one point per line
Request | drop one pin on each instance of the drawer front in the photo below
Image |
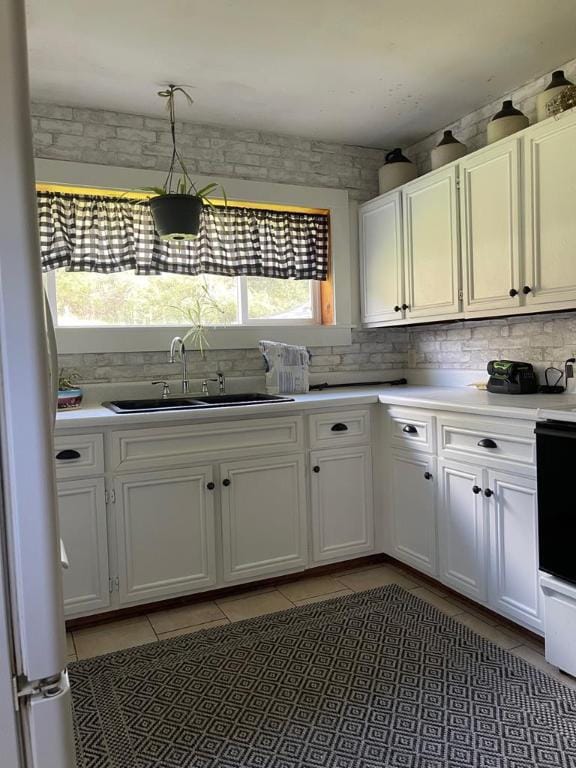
78	455
339	428
493	442
178	446
411	429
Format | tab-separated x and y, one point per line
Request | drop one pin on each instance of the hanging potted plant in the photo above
177	207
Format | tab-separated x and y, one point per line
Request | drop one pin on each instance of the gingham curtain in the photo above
108	234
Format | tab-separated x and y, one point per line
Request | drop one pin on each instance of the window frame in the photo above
78	339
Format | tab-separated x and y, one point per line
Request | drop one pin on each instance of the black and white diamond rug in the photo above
379	678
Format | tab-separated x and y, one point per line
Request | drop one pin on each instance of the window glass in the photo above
270	299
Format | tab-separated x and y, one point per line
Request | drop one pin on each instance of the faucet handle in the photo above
165	388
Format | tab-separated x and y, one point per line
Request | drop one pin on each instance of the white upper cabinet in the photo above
490	194
381	259
550	160
263	517
431	245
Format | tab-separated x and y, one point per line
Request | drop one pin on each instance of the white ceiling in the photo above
368	72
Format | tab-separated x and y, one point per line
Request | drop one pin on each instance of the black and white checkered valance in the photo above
110	234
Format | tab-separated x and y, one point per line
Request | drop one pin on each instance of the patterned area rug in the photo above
375	679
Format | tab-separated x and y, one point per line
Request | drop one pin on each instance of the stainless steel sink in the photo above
193	403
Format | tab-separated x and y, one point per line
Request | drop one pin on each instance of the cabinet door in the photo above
82	514
166	534
431	245
342	506
381	259
462	534
263	517
490	193
413	511
514	589
550	221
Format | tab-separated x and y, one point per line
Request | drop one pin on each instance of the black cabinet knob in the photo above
405	306
316	469
210	486
488	493
226	482
513	292
397	308
68	455
428	475
487	442
339	427
476	489
410	429
526	290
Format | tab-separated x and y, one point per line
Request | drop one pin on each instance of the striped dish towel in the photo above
287	368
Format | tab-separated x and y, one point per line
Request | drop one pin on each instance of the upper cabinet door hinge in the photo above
460	294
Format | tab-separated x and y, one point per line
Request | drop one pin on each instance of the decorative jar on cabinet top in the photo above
448	149
554	87
506	122
396	171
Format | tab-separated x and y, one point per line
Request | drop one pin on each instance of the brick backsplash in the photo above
471	129
115	138
370	350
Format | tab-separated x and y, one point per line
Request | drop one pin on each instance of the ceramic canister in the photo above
448	149
396	171
554	87
506	122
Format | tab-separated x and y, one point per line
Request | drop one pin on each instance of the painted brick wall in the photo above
121	139
471	129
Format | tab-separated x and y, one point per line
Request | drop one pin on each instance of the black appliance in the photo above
508	377
556	462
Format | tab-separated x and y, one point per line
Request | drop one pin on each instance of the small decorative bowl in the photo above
69	398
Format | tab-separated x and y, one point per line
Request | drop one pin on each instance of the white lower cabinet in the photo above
462	530
165	532
513	520
263	517
82	514
342	503
413	505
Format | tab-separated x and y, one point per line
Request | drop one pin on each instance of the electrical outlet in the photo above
570	368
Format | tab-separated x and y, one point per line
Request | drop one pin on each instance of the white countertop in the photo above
456	399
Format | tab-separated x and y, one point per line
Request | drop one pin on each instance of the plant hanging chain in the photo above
170	95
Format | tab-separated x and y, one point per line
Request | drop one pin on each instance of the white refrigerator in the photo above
35	702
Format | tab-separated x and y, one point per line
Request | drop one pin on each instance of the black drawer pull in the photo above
488	492
405	307
512	292
487	442
397	308
428	475
68	455
226	482
316	469
476	489
210	486
410	429
526	290
339	427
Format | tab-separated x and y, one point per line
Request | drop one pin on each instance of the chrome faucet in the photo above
178	352
220	378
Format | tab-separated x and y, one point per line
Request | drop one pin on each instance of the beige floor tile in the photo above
311	587
191	630
475	610
70	658
438	602
497	635
536	659
184	616
567	680
246	593
95	641
380	576
70	647
255	605
320	598
523	637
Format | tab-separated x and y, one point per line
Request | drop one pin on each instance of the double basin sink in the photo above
193	403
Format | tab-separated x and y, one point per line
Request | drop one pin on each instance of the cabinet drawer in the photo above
489	440
178	446
411	429
339	428
78	455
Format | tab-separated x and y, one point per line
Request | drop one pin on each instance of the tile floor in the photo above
126	633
